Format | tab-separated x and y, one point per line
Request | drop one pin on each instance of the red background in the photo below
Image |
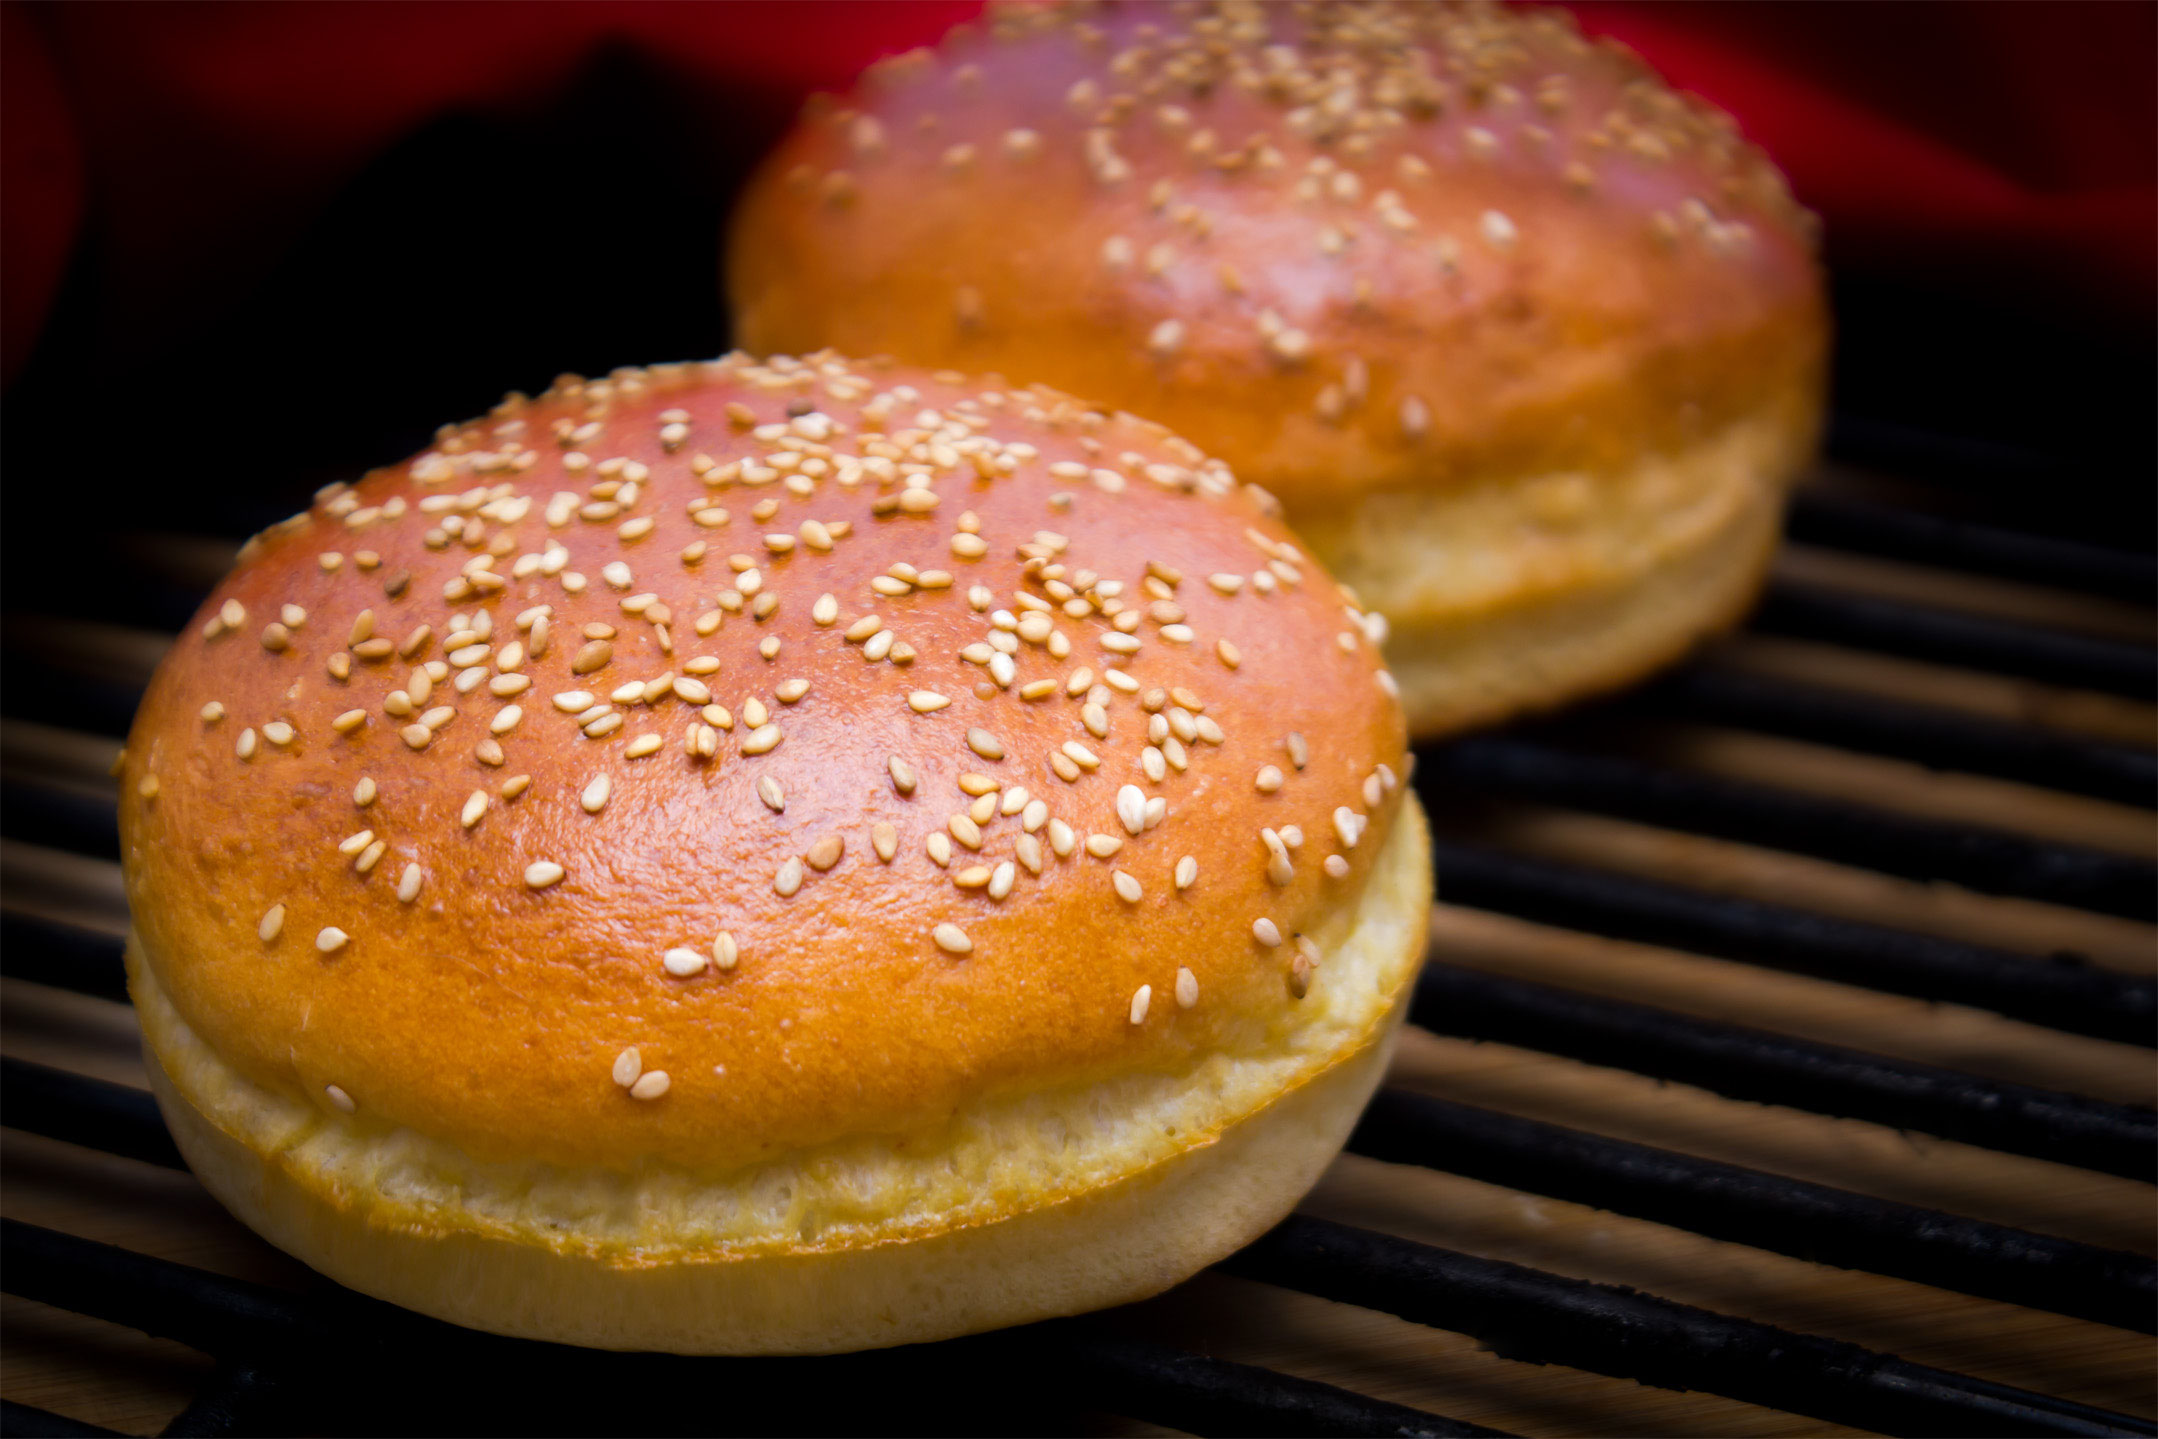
335	190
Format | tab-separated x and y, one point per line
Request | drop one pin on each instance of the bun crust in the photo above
1363	252
471	953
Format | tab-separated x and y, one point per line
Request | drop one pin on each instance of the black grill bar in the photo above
61	955
2072	997
1544	1318
1838	523
241	1398
1211	1396
524	1386
1926	734
82	1109
60	817
1767	1211
48	694
1752	1064
1968	641
20	1421
1994	861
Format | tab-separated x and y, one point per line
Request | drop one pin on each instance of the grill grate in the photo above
1732	998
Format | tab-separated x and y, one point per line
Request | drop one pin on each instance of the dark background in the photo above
250	248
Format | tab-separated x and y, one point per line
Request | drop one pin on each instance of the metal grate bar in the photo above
2071	997
1753	1064
48	695
542	1384
46	952
241	1398
1209	1396
20	1421
1994	861
1767	1211
61	816
1927	734
82	1109
1946	637
1905	534
1525	1314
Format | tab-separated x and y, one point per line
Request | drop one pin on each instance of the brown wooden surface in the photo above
115	1377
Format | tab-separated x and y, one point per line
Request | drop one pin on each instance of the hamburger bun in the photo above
771	857
1527	344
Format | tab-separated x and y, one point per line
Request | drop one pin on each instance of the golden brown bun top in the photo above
1344	247
817	655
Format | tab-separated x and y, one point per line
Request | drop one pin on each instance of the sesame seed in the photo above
339	1100
826	852
1187	988
514	786
965	830
788	880
725	952
1299	751
952	939
1415	417
1127	888
542	874
331	939
683	963
627	1066
1139	1003
884	839
277	732
273	923
1349	825
761	740
1131	808
363	793
594	798
1101	846
1269	779
408	884
1062	839
1266	932
650	1085
926	701
985	744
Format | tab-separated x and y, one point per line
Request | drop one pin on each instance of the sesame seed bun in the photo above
1527	344
772	857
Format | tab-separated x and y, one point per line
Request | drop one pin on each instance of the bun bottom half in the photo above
1525	594
1152	1179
